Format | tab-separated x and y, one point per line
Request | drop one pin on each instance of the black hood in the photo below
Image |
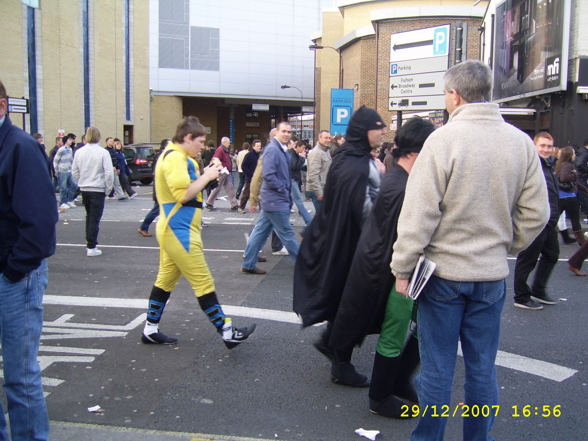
363	120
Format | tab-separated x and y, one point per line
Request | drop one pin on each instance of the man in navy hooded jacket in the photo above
28	214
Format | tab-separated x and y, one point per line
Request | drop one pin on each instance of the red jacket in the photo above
224	157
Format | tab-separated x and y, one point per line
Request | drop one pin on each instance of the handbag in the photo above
565	186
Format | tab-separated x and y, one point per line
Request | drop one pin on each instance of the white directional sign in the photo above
422	43
422	65
425	84
418	61
417	103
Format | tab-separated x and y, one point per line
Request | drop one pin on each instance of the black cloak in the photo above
330	240
363	303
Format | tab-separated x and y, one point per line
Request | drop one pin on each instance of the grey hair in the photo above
471	79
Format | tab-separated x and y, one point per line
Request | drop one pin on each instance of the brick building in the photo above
356	38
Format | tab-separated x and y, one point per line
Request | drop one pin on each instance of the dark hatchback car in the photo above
140	160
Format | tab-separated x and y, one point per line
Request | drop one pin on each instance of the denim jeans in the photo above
449	312
314	200
150	217
21	321
67	187
94	203
297	199
268	221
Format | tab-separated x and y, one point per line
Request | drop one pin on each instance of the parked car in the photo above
140	160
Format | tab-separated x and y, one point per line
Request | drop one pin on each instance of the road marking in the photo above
532	366
209	250
68	350
79	245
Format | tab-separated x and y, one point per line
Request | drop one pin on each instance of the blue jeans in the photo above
150	217
314	200
268	221
449	312
297	199
67	187
21	321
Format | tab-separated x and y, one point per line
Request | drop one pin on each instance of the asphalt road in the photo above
275	385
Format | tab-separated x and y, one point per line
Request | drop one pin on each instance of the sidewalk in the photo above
93	432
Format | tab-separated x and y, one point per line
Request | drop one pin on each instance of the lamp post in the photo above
301	103
314	47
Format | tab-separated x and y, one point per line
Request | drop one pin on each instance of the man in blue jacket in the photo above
27	238
275	194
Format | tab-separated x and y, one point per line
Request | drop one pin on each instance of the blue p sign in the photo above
341	110
394	69
341	114
440	40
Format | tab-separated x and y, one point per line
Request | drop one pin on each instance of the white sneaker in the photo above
282	252
64	206
71	204
134	195
93	252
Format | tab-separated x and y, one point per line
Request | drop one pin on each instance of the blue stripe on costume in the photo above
192	170
168	207
180	225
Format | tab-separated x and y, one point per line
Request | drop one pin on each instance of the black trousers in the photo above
545	245
124	183
94	205
572	208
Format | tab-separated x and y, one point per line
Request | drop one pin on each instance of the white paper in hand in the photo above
422	272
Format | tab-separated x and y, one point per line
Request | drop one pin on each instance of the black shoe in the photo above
210	207
529	304
345	374
234	336
545	299
390	407
235	208
324	349
253	271
261	259
158	338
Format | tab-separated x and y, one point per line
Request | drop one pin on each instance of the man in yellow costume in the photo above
179	185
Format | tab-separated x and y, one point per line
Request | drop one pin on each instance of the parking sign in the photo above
341	110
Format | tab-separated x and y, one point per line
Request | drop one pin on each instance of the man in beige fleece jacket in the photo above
475	194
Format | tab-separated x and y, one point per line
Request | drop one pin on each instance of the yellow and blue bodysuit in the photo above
178	233
179	226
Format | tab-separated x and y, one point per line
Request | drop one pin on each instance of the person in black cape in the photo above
330	240
369	304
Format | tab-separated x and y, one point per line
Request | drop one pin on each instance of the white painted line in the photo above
46	381
68	350
262	314
47	360
531	366
237	223
95	301
208	250
101	302
512	361
535	367
63	321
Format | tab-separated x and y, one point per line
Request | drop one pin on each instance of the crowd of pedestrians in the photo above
378	208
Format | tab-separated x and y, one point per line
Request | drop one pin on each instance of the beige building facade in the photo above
79	63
